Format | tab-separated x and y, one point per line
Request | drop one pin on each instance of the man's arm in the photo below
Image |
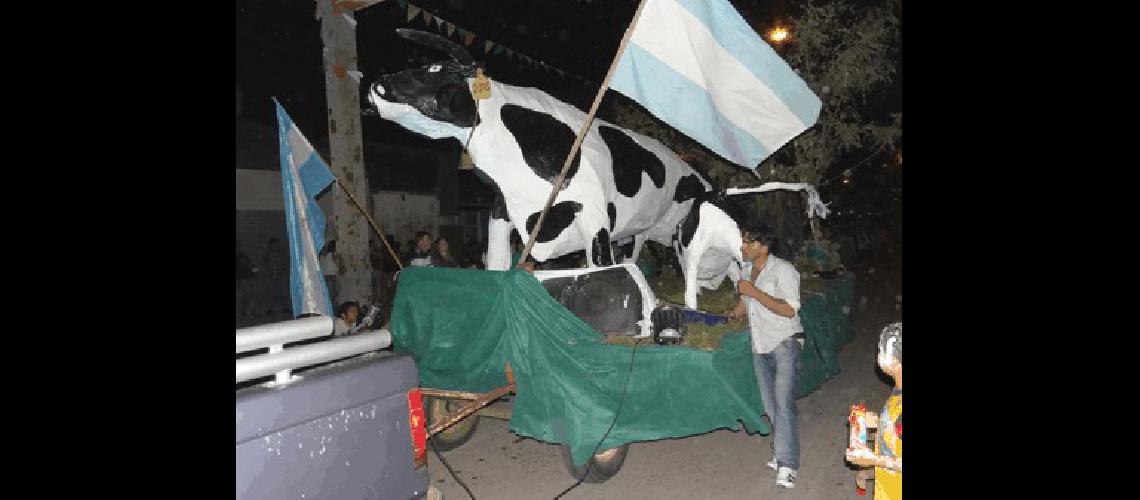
778	306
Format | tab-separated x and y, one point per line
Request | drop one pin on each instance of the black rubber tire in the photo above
454	436
603	465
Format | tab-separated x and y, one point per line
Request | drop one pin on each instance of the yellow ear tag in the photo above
481	86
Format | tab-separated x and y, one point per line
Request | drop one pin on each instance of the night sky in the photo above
279	47
279	54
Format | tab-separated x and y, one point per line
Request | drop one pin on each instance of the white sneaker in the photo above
772	464
786	477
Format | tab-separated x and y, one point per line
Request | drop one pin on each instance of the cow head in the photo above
435	96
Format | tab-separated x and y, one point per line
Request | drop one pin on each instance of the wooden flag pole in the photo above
582	133
375	226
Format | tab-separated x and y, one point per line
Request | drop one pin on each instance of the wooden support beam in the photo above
468	409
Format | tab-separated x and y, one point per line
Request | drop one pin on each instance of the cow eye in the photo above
435	68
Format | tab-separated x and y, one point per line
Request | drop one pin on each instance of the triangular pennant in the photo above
450	28
499	49
487	46
468	38
413	11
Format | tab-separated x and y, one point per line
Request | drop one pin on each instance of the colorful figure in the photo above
887	454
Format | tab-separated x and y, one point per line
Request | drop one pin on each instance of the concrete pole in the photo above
342	87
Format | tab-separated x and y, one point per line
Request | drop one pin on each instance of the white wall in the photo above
400	214
260	190
403	214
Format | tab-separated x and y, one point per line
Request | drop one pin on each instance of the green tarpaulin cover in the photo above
462	326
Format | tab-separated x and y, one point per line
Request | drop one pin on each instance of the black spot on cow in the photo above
601	249
560	216
689	224
543	140
612	210
630	160
689	187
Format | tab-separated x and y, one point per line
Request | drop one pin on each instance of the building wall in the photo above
403	214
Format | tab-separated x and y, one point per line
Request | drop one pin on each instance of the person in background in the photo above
887	454
441	254
346	316
420	254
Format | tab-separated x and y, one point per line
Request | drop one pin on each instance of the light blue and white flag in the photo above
698	66
303	175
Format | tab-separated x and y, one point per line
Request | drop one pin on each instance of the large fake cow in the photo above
621	184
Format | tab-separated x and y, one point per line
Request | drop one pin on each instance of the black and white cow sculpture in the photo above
621	185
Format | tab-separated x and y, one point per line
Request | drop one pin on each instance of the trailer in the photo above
481	337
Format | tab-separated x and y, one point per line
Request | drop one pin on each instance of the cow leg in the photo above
599	252
638	242
689	263
499	244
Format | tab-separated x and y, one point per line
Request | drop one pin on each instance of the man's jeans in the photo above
776	374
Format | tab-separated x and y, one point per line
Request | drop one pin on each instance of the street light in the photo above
778	34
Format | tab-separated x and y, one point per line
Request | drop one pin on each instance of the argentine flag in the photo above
698	66
303	175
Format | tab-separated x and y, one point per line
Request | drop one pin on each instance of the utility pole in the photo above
346	151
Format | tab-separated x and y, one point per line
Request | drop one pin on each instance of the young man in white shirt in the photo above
770	295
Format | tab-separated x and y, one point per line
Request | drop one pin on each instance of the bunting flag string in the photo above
467	37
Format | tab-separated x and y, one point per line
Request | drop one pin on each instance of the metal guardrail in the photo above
282	362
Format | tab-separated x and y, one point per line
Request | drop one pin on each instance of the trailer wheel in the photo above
603	465
454	436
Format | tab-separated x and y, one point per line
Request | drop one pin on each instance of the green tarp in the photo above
462	326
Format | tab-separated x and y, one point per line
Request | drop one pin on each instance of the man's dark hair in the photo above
759	232
421	235
345	306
